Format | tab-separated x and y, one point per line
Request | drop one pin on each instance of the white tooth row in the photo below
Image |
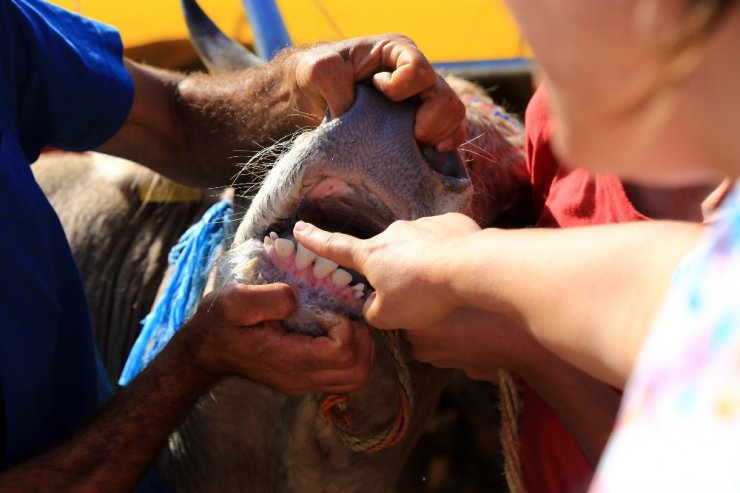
322	267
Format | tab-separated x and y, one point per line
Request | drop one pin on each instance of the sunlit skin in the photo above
623	101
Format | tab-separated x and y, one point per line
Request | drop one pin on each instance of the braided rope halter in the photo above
336	411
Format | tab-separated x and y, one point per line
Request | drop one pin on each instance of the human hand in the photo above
408	265
235	332
474	341
326	75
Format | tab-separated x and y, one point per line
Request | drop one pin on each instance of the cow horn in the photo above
218	52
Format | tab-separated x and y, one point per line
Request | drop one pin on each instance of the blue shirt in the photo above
62	83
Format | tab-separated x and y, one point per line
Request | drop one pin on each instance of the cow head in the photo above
355	173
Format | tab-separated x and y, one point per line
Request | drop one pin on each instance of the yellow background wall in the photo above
445	30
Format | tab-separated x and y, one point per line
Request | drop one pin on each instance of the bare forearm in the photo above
116	448
587	294
200	128
228	115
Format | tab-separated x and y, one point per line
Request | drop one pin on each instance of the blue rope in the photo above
193	258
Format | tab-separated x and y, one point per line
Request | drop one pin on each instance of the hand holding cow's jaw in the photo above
236	332
232	333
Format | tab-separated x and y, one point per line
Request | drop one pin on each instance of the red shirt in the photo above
565	197
552	461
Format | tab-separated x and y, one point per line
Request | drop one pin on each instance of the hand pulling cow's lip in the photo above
257	262
319	284
332	204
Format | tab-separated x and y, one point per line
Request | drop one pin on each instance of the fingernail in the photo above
300	226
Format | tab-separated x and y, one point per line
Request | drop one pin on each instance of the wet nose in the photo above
447	164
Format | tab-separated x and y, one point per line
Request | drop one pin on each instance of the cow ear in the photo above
218	52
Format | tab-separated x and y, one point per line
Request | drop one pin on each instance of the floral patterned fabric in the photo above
679	426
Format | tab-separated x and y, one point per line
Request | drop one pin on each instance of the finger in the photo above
348	344
338	380
409	72
251	304
441	116
319	364
335	350
452	143
340	248
328	81
364	347
338	89
337	328
353	378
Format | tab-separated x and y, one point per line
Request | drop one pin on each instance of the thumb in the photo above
339	90
343	249
251	304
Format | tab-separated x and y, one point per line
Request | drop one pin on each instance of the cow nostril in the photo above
445	163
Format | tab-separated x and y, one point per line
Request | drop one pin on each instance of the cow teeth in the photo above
341	278
359	287
358	294
273	236
304	257
323	267
284	247
267	241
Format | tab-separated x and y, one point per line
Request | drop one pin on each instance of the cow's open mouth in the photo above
319	283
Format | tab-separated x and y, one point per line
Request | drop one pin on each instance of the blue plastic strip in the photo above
192	257
270	34
486	67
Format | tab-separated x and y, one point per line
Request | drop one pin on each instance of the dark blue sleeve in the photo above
62	78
